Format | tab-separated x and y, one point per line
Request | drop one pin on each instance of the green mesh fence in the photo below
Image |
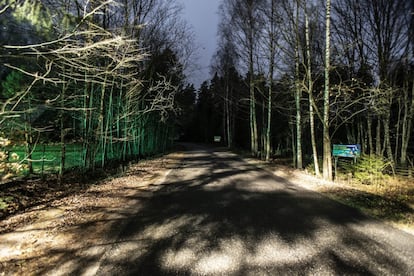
47	158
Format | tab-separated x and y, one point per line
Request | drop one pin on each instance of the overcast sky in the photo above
203	16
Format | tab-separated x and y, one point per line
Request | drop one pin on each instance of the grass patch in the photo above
46	158
391	200
5	202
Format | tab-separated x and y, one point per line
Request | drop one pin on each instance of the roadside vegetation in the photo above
370	186
86	92
392	200
90	86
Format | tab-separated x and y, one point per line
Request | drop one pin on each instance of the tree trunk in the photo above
253	119
89	141
387	140
107	146
270	81
228	116
298	95
397	136
327	158
362	136
269	118
99	132
311	100
378	148
293	142
370	142
29	135
29	144
407	129
62	133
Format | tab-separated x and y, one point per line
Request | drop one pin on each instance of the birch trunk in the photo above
311	100
298	94
398	125
270	81
407	129
387	141
253	119
327	159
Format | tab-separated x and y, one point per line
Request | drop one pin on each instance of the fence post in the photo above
43	161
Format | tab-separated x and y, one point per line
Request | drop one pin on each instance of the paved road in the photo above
218	215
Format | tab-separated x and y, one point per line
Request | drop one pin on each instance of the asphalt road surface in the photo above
218	215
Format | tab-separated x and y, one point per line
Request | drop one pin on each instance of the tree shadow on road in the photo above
235	219
218	215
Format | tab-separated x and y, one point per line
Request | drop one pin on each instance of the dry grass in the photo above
391	200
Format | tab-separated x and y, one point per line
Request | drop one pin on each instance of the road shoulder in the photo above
70	235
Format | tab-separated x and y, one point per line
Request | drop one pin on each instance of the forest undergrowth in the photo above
391	199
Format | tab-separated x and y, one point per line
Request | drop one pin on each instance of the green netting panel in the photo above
151	139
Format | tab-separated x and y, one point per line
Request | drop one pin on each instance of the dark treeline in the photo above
295	77
102	75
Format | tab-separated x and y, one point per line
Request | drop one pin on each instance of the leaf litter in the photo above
50	225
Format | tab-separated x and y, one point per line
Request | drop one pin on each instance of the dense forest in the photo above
106	81
295	77
86	84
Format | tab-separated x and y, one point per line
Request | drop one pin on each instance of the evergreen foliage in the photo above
12	84
370	169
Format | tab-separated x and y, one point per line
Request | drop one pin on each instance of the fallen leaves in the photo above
66	224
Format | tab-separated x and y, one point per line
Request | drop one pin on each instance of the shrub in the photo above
369	169
9	162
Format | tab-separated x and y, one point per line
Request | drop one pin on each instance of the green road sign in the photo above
350	151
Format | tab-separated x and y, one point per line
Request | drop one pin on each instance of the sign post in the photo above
347	151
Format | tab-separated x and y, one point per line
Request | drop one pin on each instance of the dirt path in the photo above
70	234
